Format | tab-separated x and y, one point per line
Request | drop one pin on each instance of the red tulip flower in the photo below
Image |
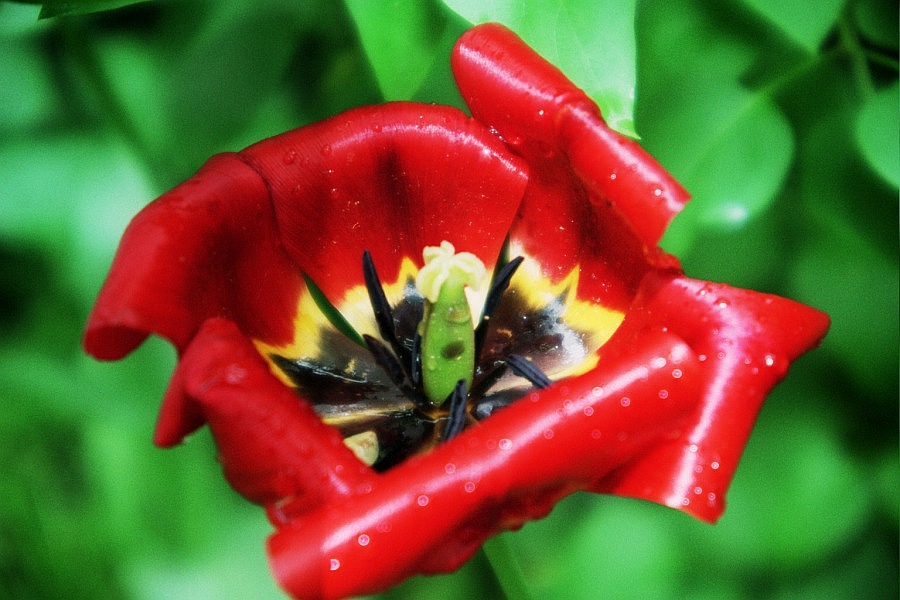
409	329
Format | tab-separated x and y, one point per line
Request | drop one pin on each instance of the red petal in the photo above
747	341
432	512
272	445
538	110
207	248
391	179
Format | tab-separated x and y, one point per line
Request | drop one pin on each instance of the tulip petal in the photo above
746	341
272	445
207	248
390	179
537	110
432	512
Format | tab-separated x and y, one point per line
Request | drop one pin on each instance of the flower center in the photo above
430	364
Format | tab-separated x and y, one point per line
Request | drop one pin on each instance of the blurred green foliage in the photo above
780	116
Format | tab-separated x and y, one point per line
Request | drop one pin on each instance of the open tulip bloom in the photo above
410	329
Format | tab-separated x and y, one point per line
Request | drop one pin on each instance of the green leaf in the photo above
730	146
804	23
878	132
591	41
401	39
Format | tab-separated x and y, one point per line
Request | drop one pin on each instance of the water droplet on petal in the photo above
289	157
363	539
504	444
769	360
422	500
334	564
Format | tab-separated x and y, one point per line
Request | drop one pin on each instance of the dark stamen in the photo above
523	367
389	363
486	382
456	419
382	309
498	287
415	360
386	360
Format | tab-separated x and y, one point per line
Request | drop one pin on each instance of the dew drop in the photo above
625	401
422	500
289	157
334	564
596	434
613	176
363	539
714	465
597	392
504	444
548	434
657	191
588	411
449	468
701	357
676	373
663	394
685	501
469	486
693	448
769	360
658	362
698	490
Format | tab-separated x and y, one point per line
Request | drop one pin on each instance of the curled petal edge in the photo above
536	108
745	341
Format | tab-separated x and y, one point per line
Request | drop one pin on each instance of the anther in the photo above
457	415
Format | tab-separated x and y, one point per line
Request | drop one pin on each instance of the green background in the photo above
781	117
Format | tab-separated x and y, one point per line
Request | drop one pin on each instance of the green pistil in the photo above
447	329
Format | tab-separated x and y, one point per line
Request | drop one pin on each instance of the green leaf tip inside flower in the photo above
447	328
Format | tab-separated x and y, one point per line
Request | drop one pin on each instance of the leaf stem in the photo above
506	568
79	44
856	52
